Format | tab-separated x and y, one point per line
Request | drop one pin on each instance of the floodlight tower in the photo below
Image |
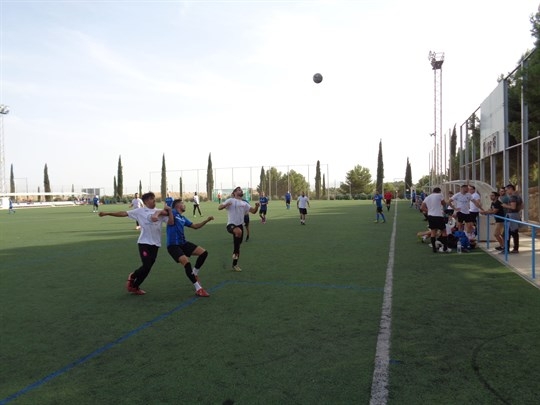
3	111
436	59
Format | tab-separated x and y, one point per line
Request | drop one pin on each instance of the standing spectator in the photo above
180	249
149	240
219	197
498	210
474	209
288	200
136	203
169	200
302	203
237	208
461	203
513	211
388	199
95	202
263	201
196	206
433	206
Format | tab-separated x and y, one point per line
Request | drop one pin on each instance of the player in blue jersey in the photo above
180	249
263	200
169	200
378	200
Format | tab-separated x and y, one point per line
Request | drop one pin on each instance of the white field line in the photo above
380	382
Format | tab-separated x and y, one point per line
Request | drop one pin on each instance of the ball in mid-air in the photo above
317	78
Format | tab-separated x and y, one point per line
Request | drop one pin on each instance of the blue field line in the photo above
163	316
104	348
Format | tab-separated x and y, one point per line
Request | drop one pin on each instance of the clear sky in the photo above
88	81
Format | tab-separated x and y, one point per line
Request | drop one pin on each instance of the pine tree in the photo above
318	180
46	184
11	181
140	188
115	188
380	169
262	180
408	177
120	179
163	179
209	178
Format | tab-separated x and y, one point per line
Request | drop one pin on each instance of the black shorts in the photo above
462	218
246	220
176	251
436	222
379	209
473	217
303	211
262	210
230	227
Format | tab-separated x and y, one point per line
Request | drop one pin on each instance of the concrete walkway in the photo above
521	263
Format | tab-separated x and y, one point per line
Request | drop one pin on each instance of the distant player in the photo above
388	199
95	202
302	203
263	200
378	199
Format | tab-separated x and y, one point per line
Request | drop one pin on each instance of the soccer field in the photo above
299	325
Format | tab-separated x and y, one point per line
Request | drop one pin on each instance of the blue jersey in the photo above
378	198
264	202
175	233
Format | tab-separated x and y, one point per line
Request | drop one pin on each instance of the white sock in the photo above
195	271
197	286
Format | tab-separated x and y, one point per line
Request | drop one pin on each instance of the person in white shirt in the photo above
433	206
196	206
474	209
461	203
136	203
303	203
150	220
236	209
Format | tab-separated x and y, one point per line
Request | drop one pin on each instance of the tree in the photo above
318	180
39	194
454	158
380	170
163	179
46	184
408	178
209	178
140	188
115	188
323	185
262	181
11	181
357	181
120	179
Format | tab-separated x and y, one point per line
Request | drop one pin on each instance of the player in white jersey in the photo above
150	219
236	209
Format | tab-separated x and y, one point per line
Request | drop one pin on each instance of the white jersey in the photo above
462	202
303	201
236	211
472	205
434	204
137	203
150	231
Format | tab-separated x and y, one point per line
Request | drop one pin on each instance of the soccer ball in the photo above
317	78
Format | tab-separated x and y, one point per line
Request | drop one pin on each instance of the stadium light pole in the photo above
437	59
4	110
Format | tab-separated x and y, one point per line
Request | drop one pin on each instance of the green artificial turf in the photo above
298	325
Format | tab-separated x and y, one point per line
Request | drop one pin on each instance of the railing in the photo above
506	236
